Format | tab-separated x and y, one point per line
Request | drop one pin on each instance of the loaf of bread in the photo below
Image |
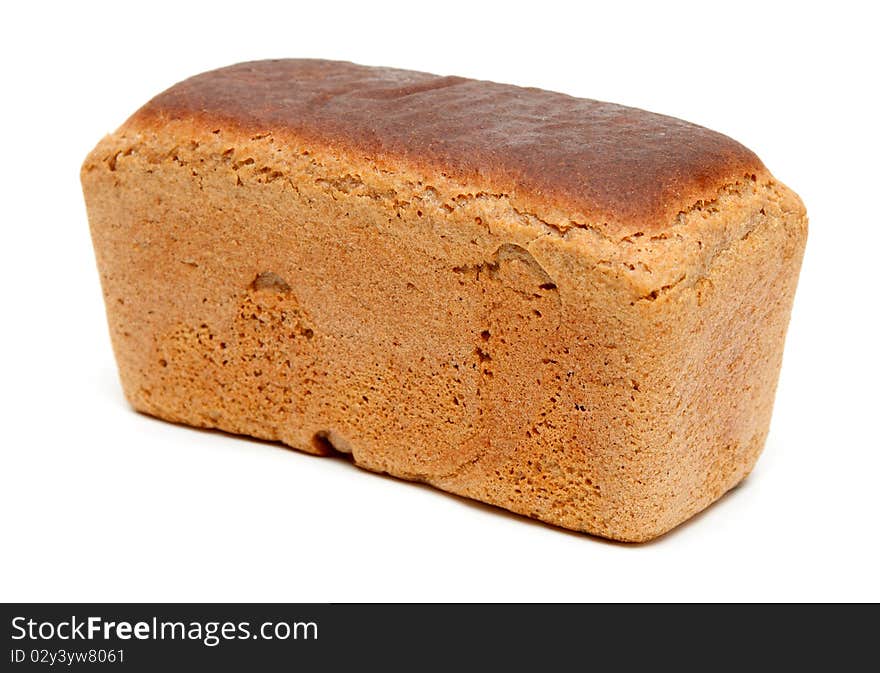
569	309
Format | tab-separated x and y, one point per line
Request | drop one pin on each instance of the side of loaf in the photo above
427	274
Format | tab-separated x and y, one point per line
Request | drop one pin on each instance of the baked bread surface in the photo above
606	163
571	309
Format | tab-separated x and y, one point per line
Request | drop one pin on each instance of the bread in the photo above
566	308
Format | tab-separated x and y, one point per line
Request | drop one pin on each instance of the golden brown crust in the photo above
615	166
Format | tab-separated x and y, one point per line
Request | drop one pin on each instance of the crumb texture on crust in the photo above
593	162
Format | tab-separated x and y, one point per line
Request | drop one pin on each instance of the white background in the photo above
99	503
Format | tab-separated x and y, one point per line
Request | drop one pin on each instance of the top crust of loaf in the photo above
595	164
